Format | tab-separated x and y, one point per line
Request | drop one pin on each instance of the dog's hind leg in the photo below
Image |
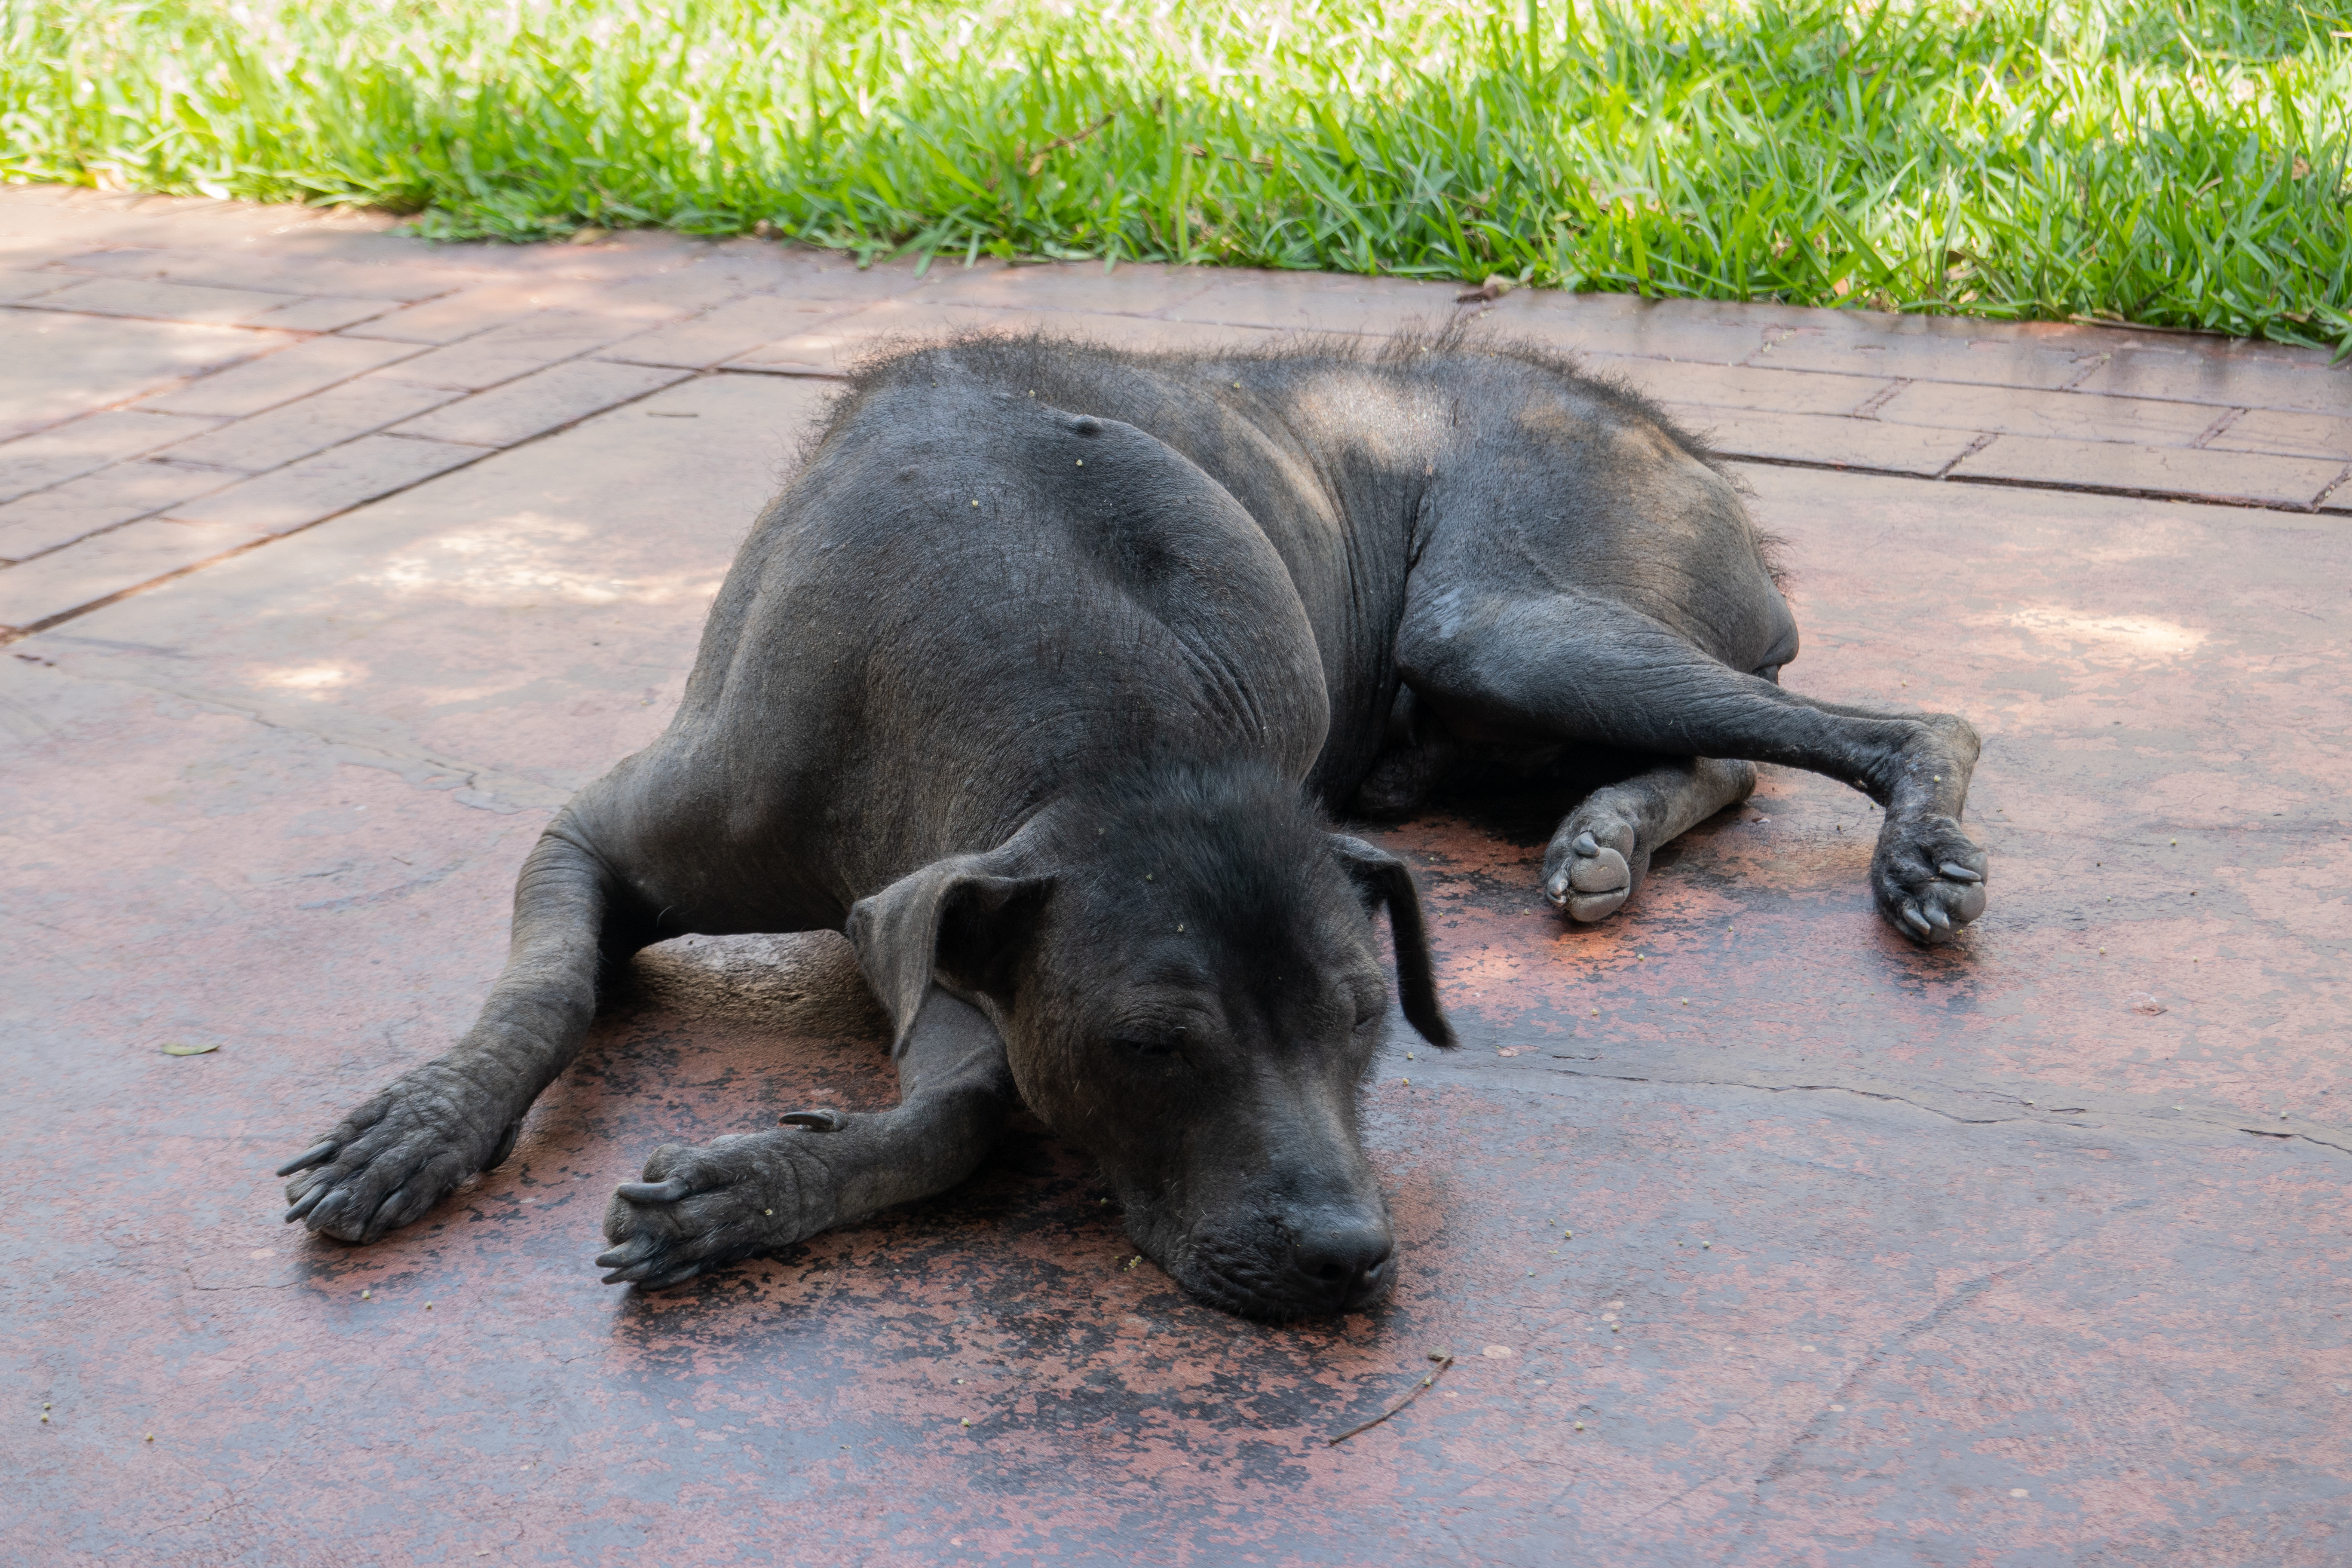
1600	854
1583	667
406	1148
741	1196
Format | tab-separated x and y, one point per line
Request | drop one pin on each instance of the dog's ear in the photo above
965	920
1381	878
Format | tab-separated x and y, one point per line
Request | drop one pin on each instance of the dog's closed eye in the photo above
1158	1043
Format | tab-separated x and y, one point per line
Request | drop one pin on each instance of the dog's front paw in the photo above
1593	864
396	1155
703	1208
1929	877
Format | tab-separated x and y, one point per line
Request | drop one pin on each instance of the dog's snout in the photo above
1349	1263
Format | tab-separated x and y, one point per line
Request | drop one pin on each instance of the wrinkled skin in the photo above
1038	680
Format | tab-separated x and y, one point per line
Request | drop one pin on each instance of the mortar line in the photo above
2089	364
1869	406
1979	445
2214	431
2242	503
2341	480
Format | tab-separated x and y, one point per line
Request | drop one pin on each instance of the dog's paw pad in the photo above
1586	878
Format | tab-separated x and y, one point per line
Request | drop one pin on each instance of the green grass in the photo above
2176	164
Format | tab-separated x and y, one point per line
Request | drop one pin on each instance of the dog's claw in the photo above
667	1192
634	1250
1586	844
1937	916
1915	920
335	1201
1958	873
637	1261
820	1120
398	1210
306	1202
317	1154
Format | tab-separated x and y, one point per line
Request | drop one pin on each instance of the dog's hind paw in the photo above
703	1208
1588	869
1929	877
396	1155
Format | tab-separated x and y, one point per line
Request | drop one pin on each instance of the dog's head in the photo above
1186	971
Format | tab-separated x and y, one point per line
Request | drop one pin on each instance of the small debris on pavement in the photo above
1444	1360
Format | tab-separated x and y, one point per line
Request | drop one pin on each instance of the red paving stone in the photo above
91	571
1734	386
1916	355
37	463
2030	1251
741	327
2258	480
305	369
2297	435
79	508
329	418
159	301
328	482
2225	379
2059	416
61	366
1818	438
560	394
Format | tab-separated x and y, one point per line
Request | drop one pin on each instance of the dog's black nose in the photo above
1348	1265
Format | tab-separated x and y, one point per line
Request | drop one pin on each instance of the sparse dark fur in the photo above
1236	846
1041	678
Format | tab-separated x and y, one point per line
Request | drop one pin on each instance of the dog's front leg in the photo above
405	1148
703	1208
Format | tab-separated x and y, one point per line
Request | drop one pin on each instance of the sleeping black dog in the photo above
1041	678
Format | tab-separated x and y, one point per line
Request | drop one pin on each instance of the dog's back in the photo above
966	602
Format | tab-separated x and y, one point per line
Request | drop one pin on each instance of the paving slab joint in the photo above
791	372
2090	364
1869	407
2219	428
1979	445
2133	492
2336	496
